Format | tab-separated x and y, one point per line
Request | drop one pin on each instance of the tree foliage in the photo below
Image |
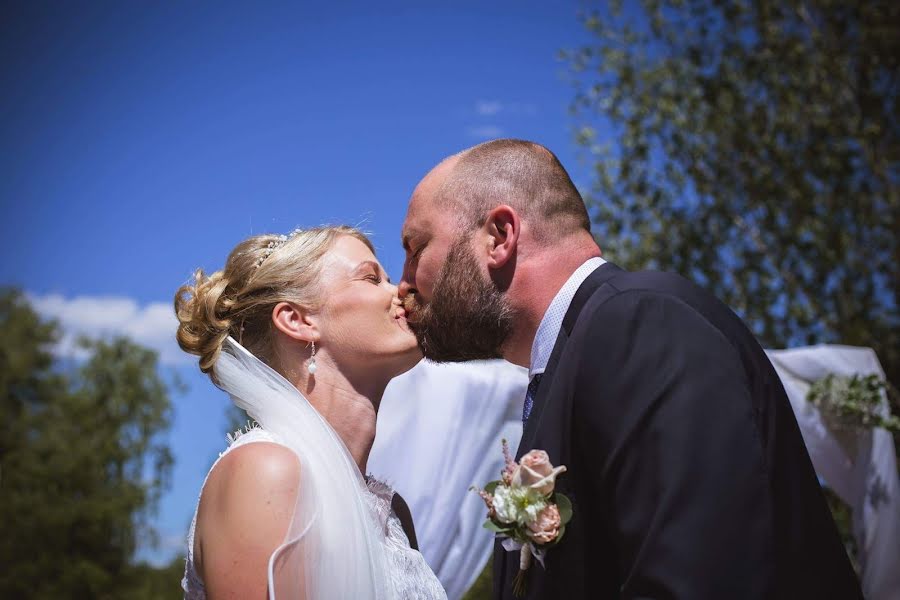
157	583
82	460
852	403
755	150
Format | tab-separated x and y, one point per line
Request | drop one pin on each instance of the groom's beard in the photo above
468	318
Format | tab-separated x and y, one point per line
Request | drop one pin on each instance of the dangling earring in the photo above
312	367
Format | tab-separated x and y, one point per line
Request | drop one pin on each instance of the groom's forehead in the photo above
430	185
419	215
423	212
411	233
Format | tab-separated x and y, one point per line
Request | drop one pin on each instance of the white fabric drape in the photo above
439	432
440	426
860	466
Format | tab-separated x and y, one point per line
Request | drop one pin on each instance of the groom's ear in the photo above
503	226
295	322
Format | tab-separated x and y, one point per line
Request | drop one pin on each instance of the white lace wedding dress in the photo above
409	575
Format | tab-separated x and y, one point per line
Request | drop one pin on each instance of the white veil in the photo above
333	547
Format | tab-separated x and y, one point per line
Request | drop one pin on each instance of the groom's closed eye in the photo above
413	242
413	253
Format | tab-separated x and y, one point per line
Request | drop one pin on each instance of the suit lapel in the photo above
601	275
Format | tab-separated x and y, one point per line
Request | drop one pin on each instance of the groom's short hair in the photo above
522	174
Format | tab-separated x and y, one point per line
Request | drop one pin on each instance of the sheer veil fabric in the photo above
333	548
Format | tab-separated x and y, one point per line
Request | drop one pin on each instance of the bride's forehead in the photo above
348	253
351	246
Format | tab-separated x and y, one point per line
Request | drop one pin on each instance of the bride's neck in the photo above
350	409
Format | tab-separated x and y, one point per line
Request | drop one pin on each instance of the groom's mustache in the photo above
417	315
467	318
420	319
413	308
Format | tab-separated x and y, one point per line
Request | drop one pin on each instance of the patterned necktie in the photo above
529	396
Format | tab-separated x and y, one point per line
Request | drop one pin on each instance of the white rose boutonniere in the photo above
524	510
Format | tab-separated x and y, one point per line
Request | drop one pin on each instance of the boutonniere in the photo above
524	511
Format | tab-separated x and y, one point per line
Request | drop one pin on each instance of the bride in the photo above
304	332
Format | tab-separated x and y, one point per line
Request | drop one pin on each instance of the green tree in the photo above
157	583
83	460
754	149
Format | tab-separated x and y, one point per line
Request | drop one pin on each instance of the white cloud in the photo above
488	108
152	325
484	131
524	108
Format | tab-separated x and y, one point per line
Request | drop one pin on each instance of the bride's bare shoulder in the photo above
245	511
258	472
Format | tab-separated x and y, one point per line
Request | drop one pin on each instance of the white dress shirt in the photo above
548	330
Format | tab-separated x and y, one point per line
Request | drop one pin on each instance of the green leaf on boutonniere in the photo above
565	508
562	532
491	526
491	486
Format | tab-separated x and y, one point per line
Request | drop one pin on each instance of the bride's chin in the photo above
410	359
403	324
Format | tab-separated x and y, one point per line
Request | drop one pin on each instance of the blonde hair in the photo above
260	272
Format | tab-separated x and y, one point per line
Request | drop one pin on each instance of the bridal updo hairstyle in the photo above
260	272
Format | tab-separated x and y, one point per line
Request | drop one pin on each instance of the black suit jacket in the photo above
686	469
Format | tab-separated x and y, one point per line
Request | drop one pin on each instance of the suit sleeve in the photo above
665	420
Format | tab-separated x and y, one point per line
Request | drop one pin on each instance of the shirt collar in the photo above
551	323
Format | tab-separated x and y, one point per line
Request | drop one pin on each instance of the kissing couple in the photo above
685	473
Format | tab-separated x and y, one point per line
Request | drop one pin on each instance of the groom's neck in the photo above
537	281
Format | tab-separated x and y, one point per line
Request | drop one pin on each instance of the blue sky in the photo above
140	140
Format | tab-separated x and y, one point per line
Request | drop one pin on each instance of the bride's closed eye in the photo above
370	271
376	277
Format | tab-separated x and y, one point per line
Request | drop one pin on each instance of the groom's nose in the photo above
404	288
406	285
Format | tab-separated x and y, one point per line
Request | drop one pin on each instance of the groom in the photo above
686	469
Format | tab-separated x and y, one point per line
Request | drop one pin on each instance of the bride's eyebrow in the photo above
367	263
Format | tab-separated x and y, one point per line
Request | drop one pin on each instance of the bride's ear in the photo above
295	322
502	226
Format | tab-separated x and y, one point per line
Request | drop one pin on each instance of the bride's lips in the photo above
400	317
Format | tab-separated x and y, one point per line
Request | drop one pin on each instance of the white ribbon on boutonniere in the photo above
524	511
